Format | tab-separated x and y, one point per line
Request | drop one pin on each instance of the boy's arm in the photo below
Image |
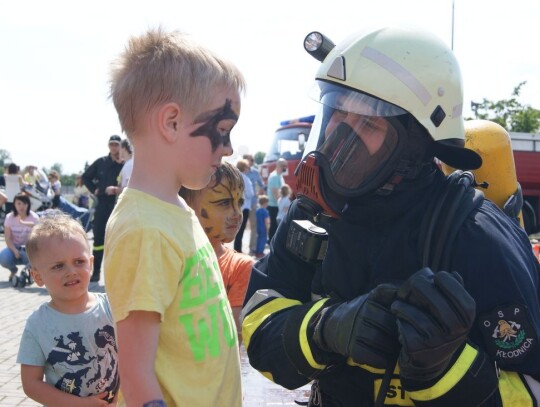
236	315
42	392
138	336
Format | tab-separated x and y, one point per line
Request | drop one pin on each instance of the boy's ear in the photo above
37	277
168	117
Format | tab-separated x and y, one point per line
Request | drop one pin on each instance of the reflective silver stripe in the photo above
256	299
457	111
399	71
534	385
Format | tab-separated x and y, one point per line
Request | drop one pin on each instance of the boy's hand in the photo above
98	400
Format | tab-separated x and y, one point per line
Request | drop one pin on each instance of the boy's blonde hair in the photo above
242	165
263	200
226	171
285	190
160	67
53	223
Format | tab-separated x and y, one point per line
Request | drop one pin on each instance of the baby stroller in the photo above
22	278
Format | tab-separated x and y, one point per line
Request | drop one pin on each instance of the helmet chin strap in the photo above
405	169
413	158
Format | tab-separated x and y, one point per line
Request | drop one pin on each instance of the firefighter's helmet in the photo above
391	100
413	70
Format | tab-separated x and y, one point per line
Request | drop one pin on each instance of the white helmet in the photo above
390	100
412	69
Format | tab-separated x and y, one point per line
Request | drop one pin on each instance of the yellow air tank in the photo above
492	142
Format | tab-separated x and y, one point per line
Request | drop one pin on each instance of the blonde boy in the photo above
70	339
177	103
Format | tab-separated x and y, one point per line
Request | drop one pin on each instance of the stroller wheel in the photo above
26	277
14	280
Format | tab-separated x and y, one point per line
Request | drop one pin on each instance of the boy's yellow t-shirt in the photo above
158	258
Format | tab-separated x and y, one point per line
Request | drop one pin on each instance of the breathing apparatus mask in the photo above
353	148
391	100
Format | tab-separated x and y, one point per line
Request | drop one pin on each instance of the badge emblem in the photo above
507	333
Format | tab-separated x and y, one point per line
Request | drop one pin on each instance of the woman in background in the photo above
17	227
81	195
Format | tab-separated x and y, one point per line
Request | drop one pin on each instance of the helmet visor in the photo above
338	102
353	137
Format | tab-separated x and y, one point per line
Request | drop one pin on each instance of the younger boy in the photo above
219	209
263	226
177	103
283	202
70	339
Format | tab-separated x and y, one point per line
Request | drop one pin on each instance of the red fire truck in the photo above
289	141
526	149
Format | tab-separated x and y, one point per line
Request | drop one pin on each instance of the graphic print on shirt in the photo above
86	373
208	320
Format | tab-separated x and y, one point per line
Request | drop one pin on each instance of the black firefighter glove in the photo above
434	315
363	328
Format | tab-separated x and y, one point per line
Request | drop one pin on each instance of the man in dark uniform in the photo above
374	321
103	173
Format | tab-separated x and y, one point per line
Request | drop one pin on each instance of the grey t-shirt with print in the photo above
78	351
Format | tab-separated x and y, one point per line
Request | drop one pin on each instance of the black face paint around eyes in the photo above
209	128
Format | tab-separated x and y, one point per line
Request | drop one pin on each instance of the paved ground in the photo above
17	303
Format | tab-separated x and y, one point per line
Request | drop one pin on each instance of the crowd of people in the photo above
319	298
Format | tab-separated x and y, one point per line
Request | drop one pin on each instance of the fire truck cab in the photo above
288	142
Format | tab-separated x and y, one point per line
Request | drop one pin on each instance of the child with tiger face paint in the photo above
219	209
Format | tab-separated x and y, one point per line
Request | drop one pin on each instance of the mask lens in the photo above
356	147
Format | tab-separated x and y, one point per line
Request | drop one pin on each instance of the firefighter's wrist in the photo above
469	368
304	353
420	377
318	328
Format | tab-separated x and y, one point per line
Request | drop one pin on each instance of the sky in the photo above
56	56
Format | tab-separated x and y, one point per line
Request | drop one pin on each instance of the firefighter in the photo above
367	323
100	175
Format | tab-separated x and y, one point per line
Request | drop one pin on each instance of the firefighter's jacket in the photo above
376	241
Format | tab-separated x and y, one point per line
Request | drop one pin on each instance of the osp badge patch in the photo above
508	333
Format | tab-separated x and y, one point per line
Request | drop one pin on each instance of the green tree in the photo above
57	167
259	157
68	180
509	113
